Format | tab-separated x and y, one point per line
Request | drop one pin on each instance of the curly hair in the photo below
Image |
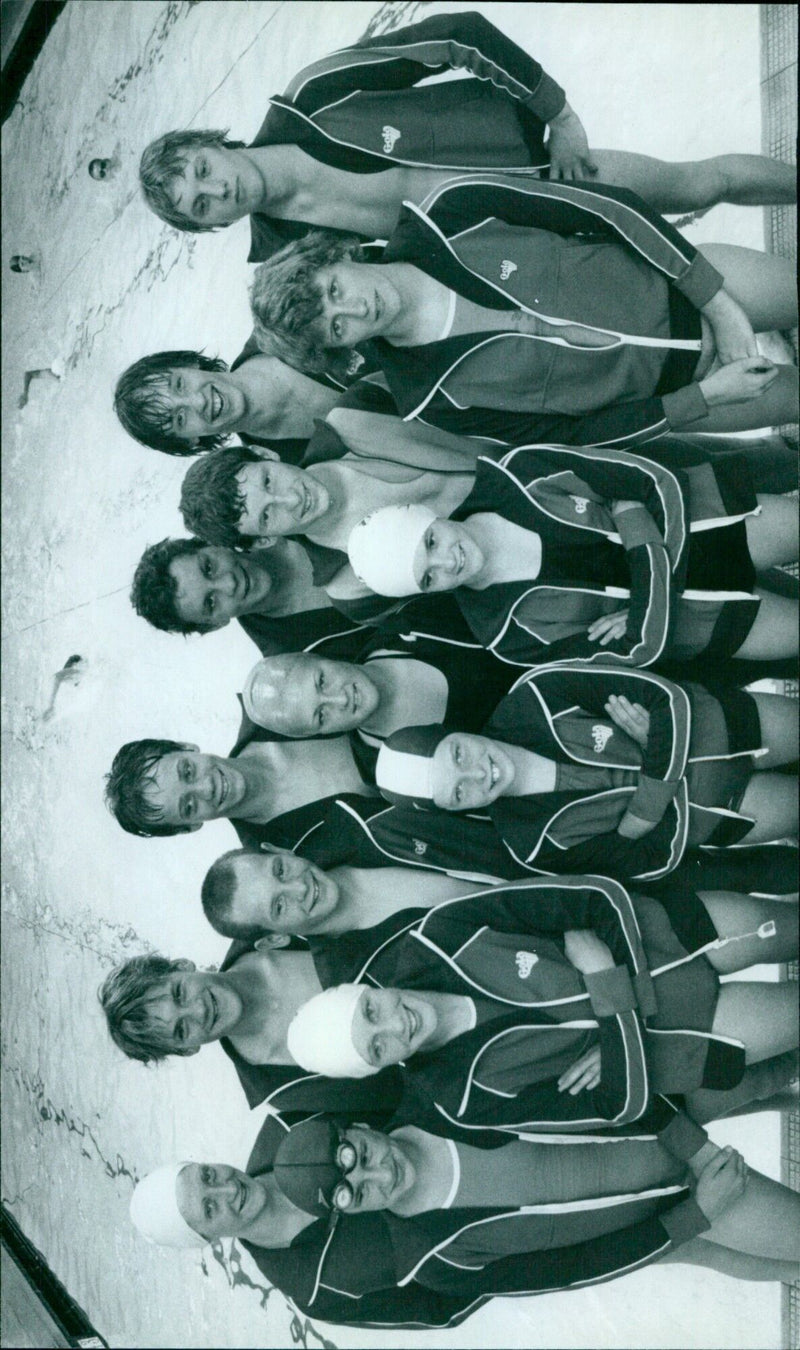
124	997
211	500
127	783
165	160
154	587
285	300
144	412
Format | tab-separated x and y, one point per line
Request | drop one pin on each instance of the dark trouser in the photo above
759	1089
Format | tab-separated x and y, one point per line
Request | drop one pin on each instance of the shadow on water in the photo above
300	1329
47	1111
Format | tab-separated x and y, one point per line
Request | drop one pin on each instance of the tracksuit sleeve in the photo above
603	1258
444	42
621	424
665	755
554	905
616	475
567	208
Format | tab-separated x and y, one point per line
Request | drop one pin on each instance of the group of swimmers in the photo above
507	810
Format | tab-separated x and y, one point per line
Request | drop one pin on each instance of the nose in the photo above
225	1183
217	187
335	699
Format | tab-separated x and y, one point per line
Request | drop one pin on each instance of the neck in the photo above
279	1222
533	773
293	590
277	167
453	1017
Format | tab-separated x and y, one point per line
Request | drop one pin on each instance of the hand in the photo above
733	332
630	717
608	628
634	827
739	382
583	1075
570	157
721	1182
586	951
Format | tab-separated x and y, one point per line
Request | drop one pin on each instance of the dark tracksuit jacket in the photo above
596	256
293	1093
560	713
358	109
688	588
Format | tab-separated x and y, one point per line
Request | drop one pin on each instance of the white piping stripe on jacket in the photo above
483	877
656	472
605	1202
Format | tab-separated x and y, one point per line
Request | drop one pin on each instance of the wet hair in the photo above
141	408
154	588
285	299
211	498
127	783
165	160
124	997
218	893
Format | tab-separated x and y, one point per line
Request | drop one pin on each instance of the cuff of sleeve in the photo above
684	406
636	526
547	100
645	993
682	1137
684	1222
610	991
700	281
651	798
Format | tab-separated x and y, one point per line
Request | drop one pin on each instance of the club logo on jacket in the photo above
601	736
506	268
420	848
390	138
525	963
581	504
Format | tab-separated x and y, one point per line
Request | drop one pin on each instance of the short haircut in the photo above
141	408
285	299
165	160
218	893
126	785
154	587
124	997
211	498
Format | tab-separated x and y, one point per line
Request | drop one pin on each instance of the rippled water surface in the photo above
80	503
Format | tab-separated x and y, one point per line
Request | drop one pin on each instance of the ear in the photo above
272	941
186	745
196	1051
186	964
269	848
266	541
263	452
190	829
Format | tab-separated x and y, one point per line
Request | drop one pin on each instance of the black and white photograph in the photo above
400	675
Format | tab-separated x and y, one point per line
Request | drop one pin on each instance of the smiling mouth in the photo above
236	191
216	404
413	1023
355	697
314	893
213	1011
305	502
222	788
240	1204
494	772
378	307
245	582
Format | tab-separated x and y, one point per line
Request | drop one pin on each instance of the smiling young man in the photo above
182	402
186	586
351	138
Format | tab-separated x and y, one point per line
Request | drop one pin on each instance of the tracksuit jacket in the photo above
591	255
680	565
383	1271
358	109
560	712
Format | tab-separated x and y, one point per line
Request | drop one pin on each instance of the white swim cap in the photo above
320	1034
154	1209
381	548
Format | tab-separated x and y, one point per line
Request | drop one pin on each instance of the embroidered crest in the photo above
525	963
390	138
601	736
581	504
506	268
355	363
420	848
